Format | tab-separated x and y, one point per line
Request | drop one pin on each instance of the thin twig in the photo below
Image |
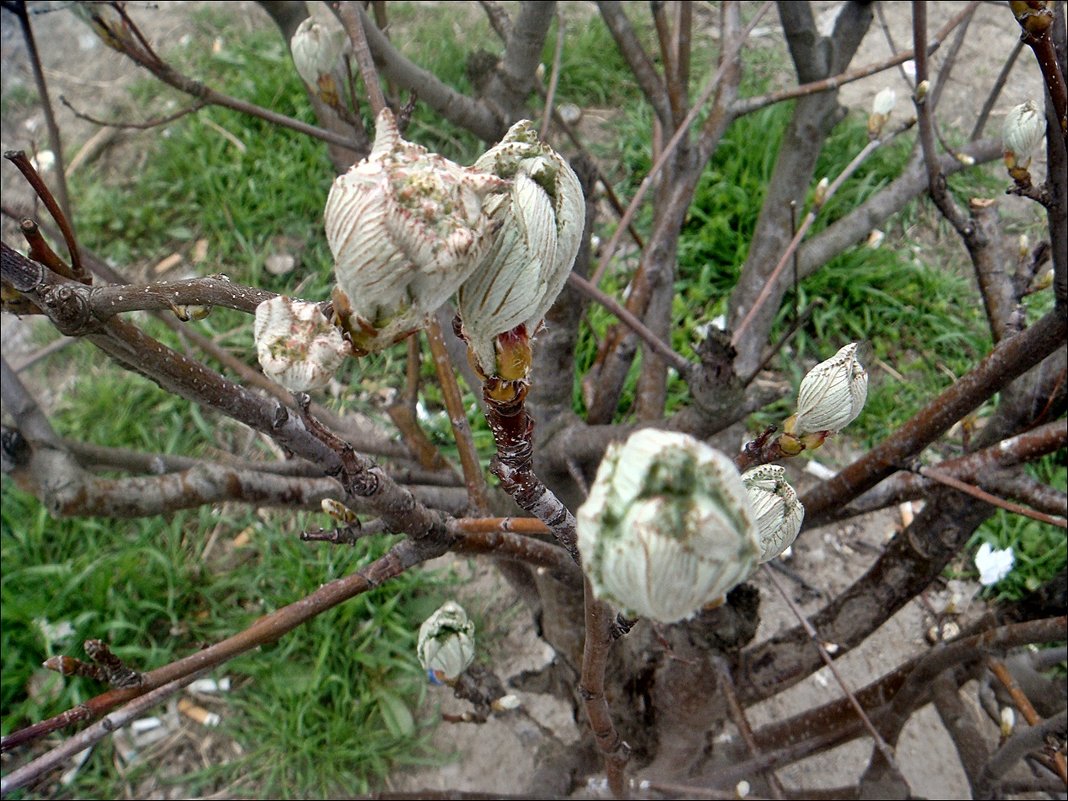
266	629
951	481
473	476
997	667
741	722
884	749
554	76
22	776
29	172
726	62
995	92
137	126
658	346
879	9
751	104
614	750
54	139
810	218
354	28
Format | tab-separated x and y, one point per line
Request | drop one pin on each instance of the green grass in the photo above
1040	550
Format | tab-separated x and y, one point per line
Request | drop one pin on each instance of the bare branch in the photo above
136	126
1018	746
615	752
649	81
1011	358
477	491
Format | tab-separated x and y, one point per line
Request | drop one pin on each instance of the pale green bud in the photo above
446	644
820	193
406	228
296	345
779	513
1024	130
668	527
831	395
539	228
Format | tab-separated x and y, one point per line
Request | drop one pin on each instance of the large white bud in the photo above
519	276
1024	130
446	644
317	47
296	345
406	228
668	526
778	511
831	395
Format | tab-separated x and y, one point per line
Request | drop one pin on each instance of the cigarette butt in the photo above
243	538
145	724
210	686
198	713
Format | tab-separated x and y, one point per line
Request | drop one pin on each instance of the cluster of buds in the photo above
668	527
317	47
407	228
1023	132
778	511
830	398
296	344
881	107
538	227
446	643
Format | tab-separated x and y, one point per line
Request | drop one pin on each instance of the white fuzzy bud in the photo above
831	395
446	644
406	228
539	228
881	107
296	345
317	47
778	511
668	526
1024	130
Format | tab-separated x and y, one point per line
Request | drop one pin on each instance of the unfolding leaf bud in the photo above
406	228
668	527
317	47
922	88
779	513
830	398
446	644
1024	129
881	107
296	345
538	230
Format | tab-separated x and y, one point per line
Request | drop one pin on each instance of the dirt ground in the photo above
496	757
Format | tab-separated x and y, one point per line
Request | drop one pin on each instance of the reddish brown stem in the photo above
513	431
19	159
616	752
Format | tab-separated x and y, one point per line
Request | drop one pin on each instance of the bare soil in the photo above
496	757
